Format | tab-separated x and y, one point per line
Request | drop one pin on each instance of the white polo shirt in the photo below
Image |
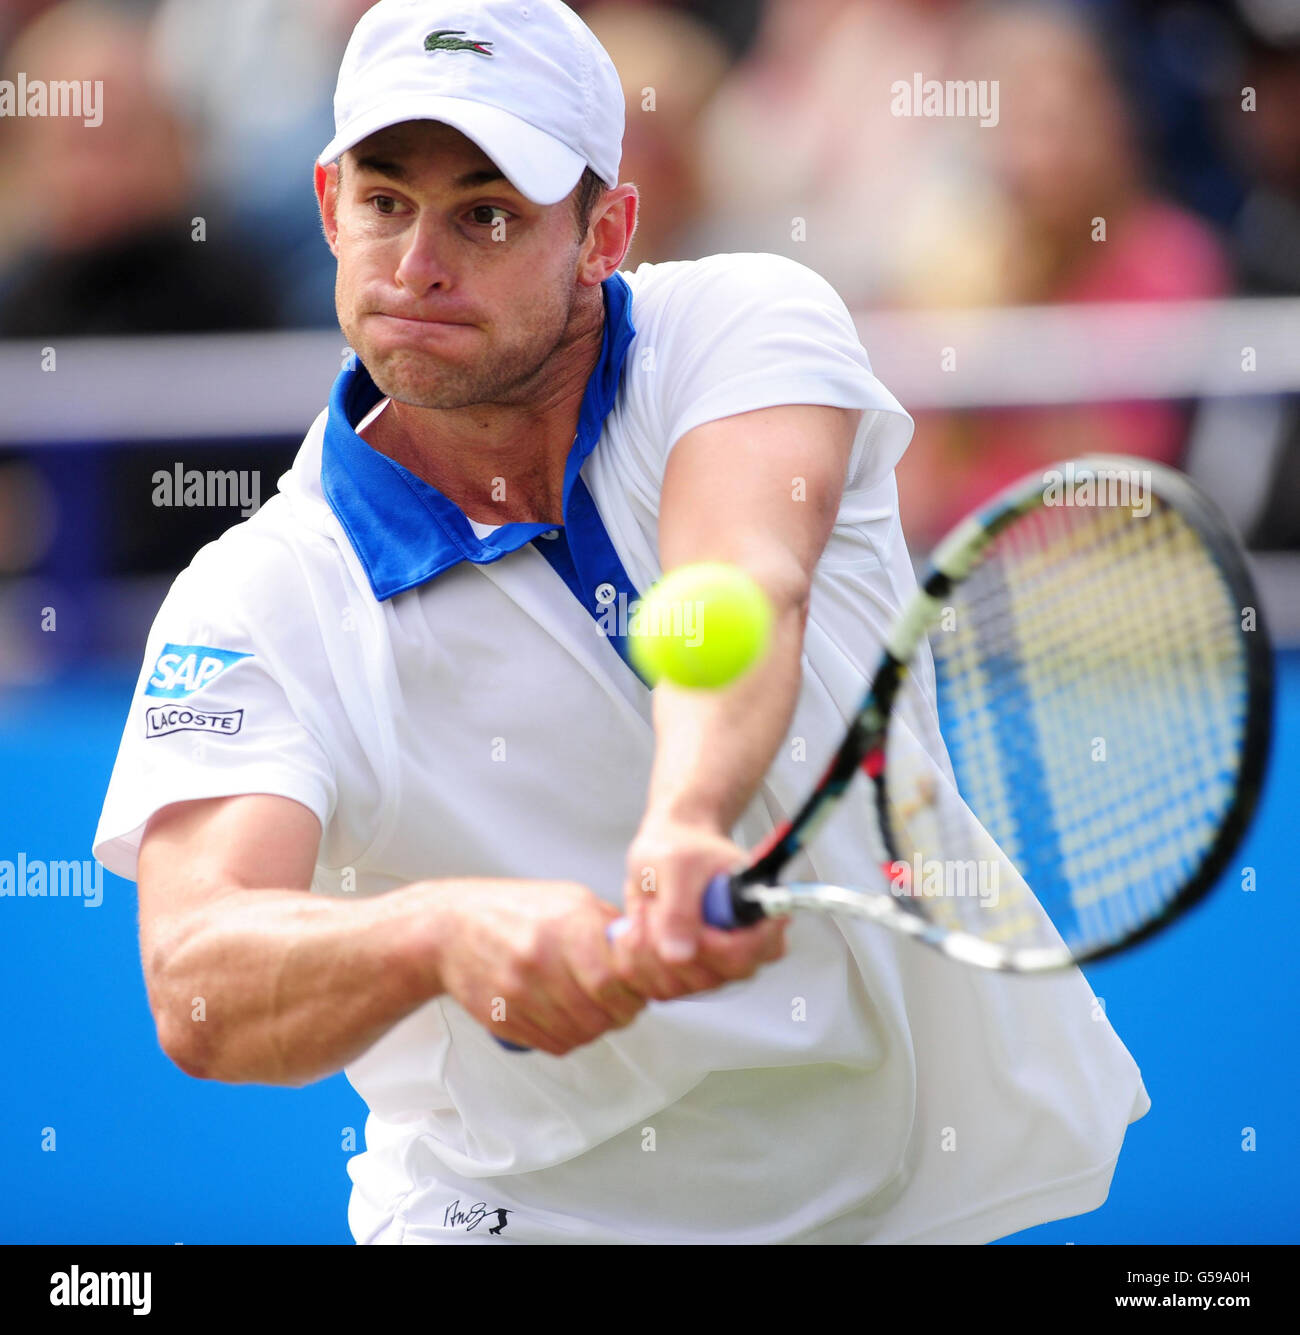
453	700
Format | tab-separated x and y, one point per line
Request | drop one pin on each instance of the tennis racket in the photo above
1105	691
1106	696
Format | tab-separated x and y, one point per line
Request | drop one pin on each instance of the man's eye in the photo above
487	214
384	204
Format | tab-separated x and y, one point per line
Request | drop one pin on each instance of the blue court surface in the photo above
142	1153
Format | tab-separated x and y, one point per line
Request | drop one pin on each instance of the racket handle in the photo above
719	907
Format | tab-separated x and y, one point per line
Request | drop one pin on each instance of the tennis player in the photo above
388	775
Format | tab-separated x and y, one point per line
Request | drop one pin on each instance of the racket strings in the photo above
1092	683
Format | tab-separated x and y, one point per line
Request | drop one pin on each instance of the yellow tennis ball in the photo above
702	625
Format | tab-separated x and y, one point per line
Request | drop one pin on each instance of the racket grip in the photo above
719	907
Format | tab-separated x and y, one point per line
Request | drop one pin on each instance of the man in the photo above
401	686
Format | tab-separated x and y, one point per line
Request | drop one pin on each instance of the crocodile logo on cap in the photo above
451	39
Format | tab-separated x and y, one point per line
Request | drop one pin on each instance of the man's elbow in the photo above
179	1017
206	1050
784	578
182	1042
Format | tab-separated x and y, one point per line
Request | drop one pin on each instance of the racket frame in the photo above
752	894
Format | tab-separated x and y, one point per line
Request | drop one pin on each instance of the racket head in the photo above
1106	695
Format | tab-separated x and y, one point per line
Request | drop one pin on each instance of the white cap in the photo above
527	82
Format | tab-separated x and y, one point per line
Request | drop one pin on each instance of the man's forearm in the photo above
283	987
712	748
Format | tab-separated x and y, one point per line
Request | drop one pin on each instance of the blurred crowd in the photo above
752	125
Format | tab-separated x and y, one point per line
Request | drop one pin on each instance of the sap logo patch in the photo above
164	719
182	669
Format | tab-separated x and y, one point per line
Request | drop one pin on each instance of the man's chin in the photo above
420	381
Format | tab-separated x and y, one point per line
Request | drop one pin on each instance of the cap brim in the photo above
540	167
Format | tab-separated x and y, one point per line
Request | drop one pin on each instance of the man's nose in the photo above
424	264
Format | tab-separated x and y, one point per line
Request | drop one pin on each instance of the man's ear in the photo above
327	197
612	227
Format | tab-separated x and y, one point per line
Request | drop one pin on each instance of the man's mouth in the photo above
434	322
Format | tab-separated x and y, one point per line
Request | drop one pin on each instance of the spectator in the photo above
670	66
1250	448
255	82
1065	165
802	154
101	239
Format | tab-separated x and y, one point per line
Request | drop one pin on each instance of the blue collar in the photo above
406	532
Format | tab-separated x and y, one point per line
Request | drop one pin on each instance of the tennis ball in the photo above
701	625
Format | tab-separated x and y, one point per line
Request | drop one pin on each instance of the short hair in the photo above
586	194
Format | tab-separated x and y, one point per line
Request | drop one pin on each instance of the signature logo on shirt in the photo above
470	1218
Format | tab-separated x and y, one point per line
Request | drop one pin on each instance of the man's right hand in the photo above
532	963
529	960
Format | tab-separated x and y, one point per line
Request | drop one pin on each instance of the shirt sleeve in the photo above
212	716
742	332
